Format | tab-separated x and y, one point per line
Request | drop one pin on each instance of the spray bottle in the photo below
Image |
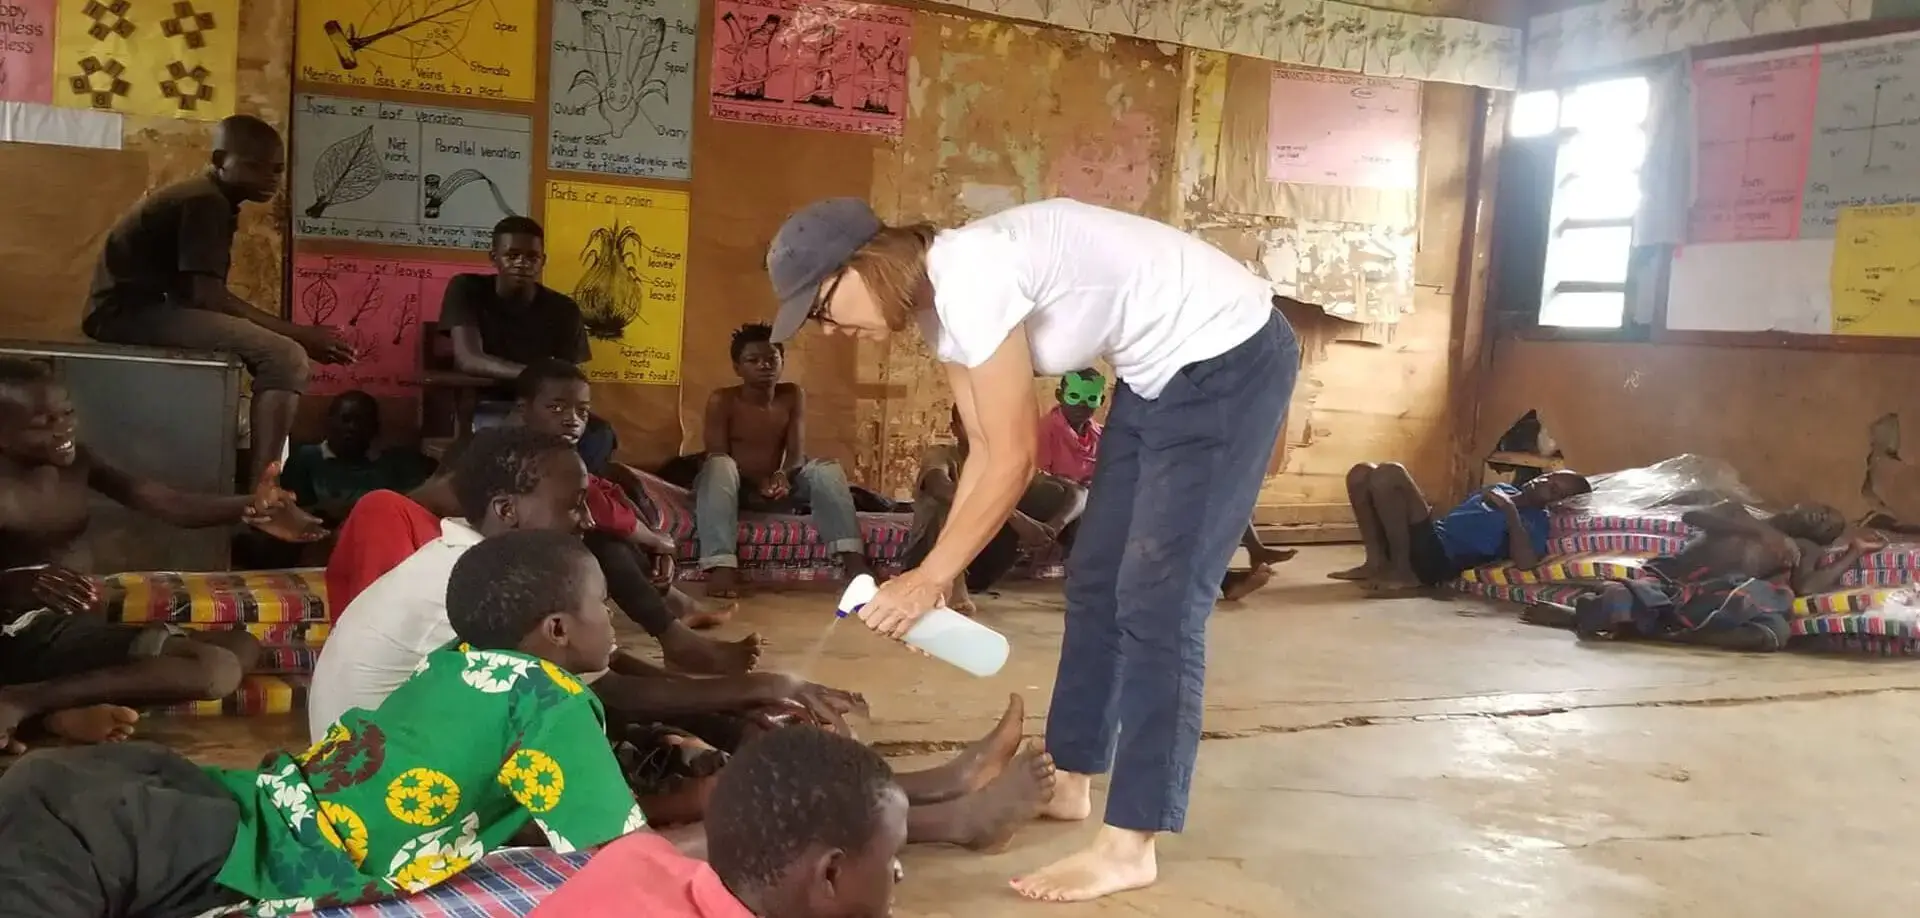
942	632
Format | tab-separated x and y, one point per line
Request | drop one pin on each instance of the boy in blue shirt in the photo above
1408	547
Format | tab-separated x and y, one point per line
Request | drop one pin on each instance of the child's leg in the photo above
128	829
1398	506
1367	517
58	661
628	583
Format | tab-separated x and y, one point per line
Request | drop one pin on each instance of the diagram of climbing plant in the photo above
479	48
173	58
382	172
621	86
621	253
377	306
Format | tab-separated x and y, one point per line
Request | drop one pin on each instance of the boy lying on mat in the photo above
388	802
1731	586
63	669
1408	547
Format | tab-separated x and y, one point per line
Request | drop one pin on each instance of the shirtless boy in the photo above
55	653
162	282
1407	546
756	454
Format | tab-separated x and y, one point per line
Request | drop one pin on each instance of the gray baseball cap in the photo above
815	242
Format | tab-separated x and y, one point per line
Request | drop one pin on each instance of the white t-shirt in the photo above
1089	283
385	632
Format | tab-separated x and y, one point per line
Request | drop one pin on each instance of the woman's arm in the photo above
998	409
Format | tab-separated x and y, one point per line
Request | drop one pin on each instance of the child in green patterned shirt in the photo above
493	737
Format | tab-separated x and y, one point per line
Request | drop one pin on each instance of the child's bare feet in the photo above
1363	572
975	766
1394	582
723	583
688	652
1009	801
1239	585
1118	860
1072	798
100	723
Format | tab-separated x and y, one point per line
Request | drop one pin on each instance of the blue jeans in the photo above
716	509
1173	488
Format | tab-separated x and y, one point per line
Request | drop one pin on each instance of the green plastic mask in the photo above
1088	391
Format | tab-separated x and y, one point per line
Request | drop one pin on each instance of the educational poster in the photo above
1752	118
621	87
148	57
406	174
1606	34
26	51
378	306
1876	271
1343	129
821	64
479	48
621	254
1773	286
1866	130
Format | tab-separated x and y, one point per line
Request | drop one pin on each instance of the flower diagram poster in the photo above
172	58
378	306
820	64
621	253
479	48
382	172
621	87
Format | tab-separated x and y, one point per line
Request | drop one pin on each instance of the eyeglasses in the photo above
820	306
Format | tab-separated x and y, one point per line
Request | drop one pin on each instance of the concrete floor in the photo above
1427	758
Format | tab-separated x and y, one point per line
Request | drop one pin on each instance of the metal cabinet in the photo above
163	414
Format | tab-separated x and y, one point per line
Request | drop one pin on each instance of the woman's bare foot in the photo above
1072	798
975	766
1118	860
1009	801
1363	572
688	652
723	583
101	723
1239	585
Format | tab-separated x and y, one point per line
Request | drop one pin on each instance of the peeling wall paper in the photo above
1614	32
1314	33
25	122
1358	273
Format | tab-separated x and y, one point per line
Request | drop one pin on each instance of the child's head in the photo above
519	250
1816	523
537	592
1081	393
353	422
516	478
1554	487
554	398
36	415
807	824
756	359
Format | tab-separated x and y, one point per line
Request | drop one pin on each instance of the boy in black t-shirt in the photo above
502	322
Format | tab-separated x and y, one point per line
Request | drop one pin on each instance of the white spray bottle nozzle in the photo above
857	595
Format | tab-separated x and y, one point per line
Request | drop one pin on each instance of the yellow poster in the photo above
478	48
148	57
621	253
1876	271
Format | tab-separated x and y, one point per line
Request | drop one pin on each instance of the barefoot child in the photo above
491	740
1408	547
804	824
554	398
55	652
756	455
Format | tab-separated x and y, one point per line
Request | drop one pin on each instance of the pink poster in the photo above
1326	128
26	50
1753	127
378	305
820	64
